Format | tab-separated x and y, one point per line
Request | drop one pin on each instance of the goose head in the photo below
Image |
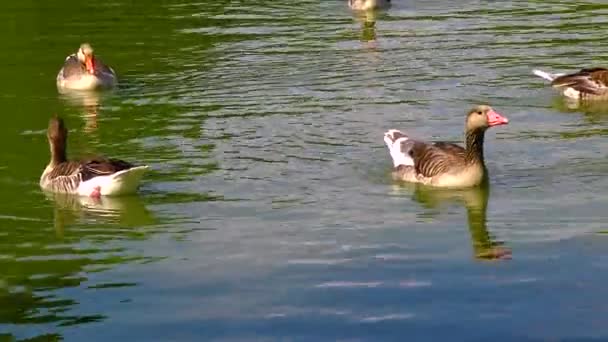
57	134
483	117
86	57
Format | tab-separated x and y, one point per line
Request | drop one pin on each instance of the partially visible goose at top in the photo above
444	164
84	71
367	5
586	84
93	177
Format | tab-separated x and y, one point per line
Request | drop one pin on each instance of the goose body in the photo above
586	84
366	5
93	177
84	71
444	164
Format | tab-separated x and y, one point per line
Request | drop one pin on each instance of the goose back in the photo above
586	84
67	176
72	67
441	164
433	159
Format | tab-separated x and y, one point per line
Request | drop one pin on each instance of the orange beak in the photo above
89	63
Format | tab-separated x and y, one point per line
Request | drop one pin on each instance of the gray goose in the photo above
367	5
92	177
444	164
586	84
84	71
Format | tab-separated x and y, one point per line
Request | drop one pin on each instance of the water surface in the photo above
269	213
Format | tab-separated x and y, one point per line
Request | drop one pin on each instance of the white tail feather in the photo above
545	75
394	146
124	182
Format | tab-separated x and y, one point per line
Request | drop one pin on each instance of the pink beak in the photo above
89	63
495	119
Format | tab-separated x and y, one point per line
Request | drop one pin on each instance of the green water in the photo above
269	213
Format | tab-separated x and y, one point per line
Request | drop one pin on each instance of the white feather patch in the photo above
399	156
547	76
124	182
572	93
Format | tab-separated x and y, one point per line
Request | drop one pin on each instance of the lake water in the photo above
269	213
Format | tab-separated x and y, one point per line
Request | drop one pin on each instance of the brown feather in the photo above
72	67
88	169
431	160
587	81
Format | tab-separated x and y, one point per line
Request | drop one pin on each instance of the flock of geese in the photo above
438	164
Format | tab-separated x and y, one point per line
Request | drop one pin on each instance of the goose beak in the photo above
88	62
495	119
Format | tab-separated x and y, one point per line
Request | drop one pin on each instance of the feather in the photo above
431	159
72	68
587	83
545	75
91	177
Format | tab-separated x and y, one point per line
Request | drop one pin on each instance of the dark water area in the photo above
269	212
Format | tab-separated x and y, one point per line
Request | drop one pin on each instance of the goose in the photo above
92	177
586	84
444	164
367	5
84	71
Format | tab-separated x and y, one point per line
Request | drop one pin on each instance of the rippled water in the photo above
270	213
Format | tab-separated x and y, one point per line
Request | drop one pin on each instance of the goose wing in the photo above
432	159
88	168
591	81
103	68
72	67
101	166
428	159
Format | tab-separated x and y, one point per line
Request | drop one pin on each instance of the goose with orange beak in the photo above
84	71
444	164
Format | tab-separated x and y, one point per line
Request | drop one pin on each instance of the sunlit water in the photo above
269	213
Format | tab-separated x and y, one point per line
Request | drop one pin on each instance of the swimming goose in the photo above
586	84
444	164
90	177
83	71
366	5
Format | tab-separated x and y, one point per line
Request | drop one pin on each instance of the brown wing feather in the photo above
591	80
434	159
101	166
101	67
450	148
89	168
72	67
69	168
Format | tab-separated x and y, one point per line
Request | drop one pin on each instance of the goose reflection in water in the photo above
368	20
87	101
368	28
475	201
593	111
127	211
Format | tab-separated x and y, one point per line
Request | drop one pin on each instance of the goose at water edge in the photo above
586	84
90	177
84	71
367	5
444	164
